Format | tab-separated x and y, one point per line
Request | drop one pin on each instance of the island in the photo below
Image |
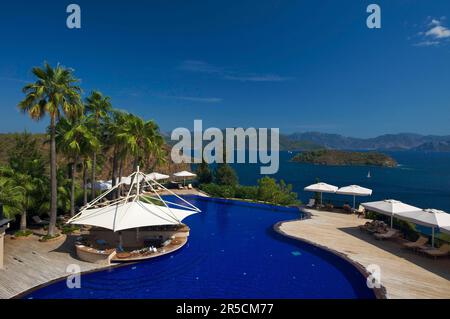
344	158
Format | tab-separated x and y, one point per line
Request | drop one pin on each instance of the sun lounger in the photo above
442	251
390	234
311	203
180	186
360	211
189	186
37	220
418	244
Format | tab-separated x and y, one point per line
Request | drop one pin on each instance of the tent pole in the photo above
354	201
392	221
321	194
137	181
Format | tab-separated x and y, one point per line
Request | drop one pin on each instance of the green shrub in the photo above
68	229
246	192
268	190
49	237
215	190
23	233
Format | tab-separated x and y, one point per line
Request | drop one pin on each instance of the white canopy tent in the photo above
185	175
321	188
132	214
137	209
428	217
390	207
354	190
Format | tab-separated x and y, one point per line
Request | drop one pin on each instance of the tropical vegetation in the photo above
224	182
79	140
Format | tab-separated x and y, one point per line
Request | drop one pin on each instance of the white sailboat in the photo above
368	175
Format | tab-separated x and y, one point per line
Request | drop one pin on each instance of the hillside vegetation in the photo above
345	158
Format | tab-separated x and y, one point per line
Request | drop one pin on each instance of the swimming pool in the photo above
232	252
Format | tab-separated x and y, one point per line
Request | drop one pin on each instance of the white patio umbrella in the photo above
445	230
184	175
157	176
428	217
390	207
354	190
321	188
124	179
100	185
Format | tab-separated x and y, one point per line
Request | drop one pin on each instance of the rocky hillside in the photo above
345	158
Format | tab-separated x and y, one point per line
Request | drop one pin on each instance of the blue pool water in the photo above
232	252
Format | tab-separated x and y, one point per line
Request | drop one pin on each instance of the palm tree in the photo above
24	191
11	196
98	107
113	126
141	138
55	92
74	139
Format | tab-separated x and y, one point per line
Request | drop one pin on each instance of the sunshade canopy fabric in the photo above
321	188
131	215
389	207
354	190
427	217
184	174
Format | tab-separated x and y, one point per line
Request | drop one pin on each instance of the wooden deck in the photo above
404	274
30	263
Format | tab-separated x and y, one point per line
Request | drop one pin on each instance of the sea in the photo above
421	179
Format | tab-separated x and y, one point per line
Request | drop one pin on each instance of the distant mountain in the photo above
403	141
311	141
434	147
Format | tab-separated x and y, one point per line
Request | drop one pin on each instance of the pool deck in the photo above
30	263
404	274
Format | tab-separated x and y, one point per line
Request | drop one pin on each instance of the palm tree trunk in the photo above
120	176
72	188
23	220
53	181
136	163
85	177
114	173
94	163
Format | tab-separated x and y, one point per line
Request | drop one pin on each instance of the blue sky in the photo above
297	65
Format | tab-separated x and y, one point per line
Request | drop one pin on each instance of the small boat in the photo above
368	175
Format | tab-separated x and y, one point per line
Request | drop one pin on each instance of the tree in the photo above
279	194
140	138
204	174
25	190
25	157
113	126
11	196
97	107
55	92
74	139
225	175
